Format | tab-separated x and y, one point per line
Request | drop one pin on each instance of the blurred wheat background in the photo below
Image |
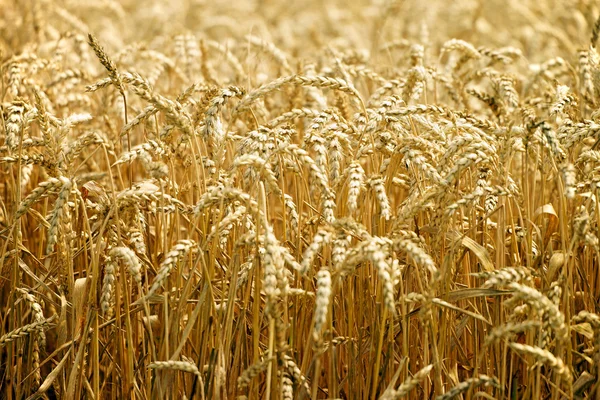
299	200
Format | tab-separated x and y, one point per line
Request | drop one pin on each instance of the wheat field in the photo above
307	200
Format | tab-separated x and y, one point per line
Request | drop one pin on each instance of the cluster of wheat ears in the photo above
244	200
